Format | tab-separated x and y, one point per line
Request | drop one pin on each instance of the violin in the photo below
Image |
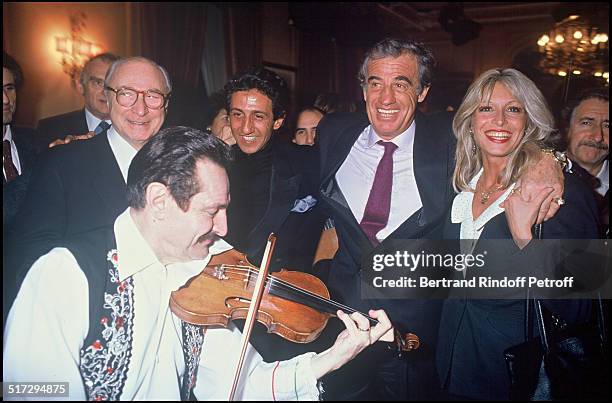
295	305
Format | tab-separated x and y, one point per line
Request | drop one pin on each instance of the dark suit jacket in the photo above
58	127
434	149
294	176
28	147
603	202
475	332
13	193
75	188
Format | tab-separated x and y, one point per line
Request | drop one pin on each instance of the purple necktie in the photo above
376	214
10	171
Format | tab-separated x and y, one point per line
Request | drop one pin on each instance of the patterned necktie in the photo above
102	127
376	214
10	171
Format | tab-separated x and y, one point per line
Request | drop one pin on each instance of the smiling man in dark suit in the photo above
81	186
386	176
91	86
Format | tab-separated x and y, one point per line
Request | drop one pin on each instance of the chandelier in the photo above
575	47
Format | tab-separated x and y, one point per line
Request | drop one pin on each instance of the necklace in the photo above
484	195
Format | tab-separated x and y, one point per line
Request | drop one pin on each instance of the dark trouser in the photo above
378	374
375	374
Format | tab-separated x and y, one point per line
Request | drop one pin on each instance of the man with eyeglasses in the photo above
82	185
89	119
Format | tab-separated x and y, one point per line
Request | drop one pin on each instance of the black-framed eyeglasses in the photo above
127	97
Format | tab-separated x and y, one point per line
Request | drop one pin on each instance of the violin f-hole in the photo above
236	299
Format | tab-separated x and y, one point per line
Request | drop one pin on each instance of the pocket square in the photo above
303	205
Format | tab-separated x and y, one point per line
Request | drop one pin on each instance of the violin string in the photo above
335	304
283	285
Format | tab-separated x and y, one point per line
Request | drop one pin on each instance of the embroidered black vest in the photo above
107	349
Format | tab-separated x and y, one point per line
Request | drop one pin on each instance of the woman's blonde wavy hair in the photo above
539	126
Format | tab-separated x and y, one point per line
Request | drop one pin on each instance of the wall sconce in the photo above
75	50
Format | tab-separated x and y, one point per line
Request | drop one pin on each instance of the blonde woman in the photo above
500	127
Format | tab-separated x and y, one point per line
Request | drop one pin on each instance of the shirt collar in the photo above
135	254
462	206
123	151
604	174
8	135
179	273
92	121
403	141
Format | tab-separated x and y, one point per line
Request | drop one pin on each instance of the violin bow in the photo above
260	285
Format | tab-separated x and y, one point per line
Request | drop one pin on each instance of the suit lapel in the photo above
283	193
80	121
339	150
107	177
335	157
25	149
430	170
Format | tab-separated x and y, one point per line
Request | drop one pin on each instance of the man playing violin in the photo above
94	312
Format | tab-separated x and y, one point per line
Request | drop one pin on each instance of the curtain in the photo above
173	35
214	66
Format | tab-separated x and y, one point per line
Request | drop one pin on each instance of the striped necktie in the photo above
10	171
101	128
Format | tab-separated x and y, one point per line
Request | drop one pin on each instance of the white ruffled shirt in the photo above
49	321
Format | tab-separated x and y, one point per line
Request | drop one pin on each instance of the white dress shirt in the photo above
49	322
8	135
461	212
604	179
356	176
123	151
92	121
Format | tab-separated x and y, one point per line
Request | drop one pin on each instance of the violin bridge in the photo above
219	273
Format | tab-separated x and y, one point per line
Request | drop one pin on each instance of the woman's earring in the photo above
473	140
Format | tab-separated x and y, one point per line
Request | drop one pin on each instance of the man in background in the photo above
272	184
19	150
588	140
272	187
89	119
19	147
